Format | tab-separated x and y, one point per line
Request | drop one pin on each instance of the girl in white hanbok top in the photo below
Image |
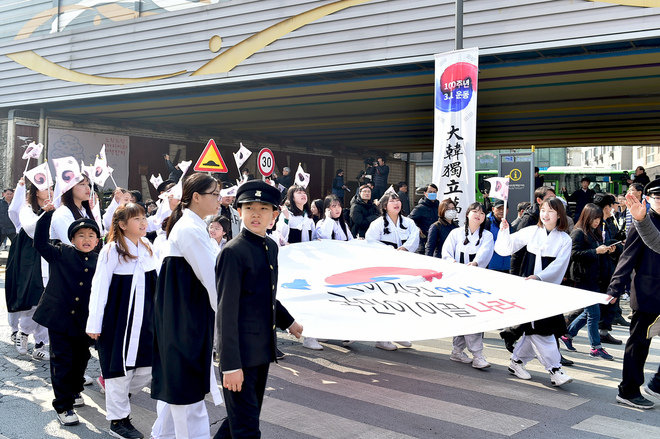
397	231
333	225
548	254
75	205
473	246
121	312
392	228
300	224
27	271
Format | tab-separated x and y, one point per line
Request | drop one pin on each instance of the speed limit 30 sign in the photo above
266	162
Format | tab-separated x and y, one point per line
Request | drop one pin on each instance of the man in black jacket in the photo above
425	214
581	197
639	263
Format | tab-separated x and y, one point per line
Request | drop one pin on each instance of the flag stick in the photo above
113	181
26	165
47	179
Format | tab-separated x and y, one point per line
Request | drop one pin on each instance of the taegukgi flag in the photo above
32	151
499	187
302	178
455	119
241	156
156	181
67	173
40	176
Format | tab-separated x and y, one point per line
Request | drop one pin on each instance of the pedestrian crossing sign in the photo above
211	160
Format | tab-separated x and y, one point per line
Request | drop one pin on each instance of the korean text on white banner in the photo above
455	116
359	290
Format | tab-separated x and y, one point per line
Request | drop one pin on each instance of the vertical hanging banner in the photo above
455	115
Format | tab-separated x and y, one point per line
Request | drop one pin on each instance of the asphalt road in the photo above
362	392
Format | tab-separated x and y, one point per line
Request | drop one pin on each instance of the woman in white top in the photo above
396	231
471	246
548	254
331	226
301	225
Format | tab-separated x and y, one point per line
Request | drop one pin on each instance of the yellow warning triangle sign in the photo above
211	160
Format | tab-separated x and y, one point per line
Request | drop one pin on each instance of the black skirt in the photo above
183	335
115	321
24	285
554	325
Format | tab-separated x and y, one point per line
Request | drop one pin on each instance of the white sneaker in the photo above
21	343
312	343
405	344
558	377
480	362
518	369
41	352
461	357
13	337
68	418
88	380
386	345
79	401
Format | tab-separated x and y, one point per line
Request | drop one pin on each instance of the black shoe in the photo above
279	354
609	339
123	429
509	340
566	361
620	321
639	402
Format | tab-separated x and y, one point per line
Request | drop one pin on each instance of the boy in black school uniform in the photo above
248	312
63	308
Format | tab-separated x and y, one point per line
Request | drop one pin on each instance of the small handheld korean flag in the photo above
229	192
40	176
87	170
100	172
156	181
499	188
302	178
184	168
390	190
32	151
241	156
67	173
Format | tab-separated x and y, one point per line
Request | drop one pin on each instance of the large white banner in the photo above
455	115
85	146
359	290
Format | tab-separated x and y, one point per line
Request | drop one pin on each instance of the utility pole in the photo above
459	25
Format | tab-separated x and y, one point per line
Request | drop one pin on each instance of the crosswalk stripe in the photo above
518	390
324	425
616	428
437	409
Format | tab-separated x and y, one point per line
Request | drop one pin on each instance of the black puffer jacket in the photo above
587	266
425	214
362	214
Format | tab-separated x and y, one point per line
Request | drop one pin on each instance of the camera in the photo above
369	161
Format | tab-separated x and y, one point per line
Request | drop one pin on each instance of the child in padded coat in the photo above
121	313
63	308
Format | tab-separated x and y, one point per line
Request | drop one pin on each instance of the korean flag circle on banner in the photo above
455	87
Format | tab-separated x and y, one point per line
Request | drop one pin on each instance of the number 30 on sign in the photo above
266	162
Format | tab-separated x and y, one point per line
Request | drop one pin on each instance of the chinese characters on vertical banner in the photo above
455	117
